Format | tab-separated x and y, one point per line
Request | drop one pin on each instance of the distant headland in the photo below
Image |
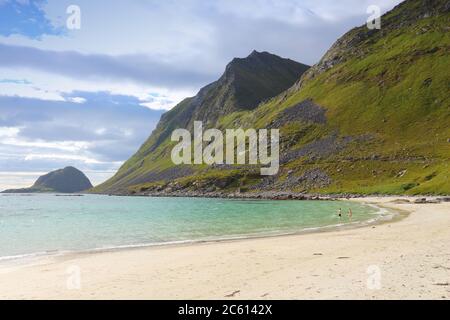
67	180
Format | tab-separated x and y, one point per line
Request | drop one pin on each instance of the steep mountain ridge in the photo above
371	117
245	83
355	43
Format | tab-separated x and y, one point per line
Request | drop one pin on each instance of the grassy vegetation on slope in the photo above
245	83
387	96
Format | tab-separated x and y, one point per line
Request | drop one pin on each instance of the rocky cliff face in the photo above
67	180
244	85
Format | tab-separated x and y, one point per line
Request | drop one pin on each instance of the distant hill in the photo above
372	117
67	180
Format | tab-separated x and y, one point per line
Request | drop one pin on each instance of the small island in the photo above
67	180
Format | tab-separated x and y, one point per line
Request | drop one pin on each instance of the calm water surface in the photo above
42	224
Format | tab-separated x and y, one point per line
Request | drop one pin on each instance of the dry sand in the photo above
409	258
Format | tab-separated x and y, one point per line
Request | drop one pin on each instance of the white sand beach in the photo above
406	259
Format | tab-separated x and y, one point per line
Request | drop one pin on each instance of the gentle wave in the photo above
27	256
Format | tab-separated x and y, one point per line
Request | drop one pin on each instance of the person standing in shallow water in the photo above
350	214
340	213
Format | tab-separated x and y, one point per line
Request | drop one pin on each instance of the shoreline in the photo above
412	253
270	195
383	215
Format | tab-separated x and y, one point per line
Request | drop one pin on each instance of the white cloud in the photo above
72	157
62	149
13	180
25	179
19	152
100	131
76	99
45	86
189	33
9	132
66	146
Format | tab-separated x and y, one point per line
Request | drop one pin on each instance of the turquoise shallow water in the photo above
38	224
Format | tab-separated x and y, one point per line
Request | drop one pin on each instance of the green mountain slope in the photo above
245	83
373	116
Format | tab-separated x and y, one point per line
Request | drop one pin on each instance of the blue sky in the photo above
90	97
26	17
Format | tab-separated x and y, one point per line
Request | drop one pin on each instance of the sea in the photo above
33	225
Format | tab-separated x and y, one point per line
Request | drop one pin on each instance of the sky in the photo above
88	94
